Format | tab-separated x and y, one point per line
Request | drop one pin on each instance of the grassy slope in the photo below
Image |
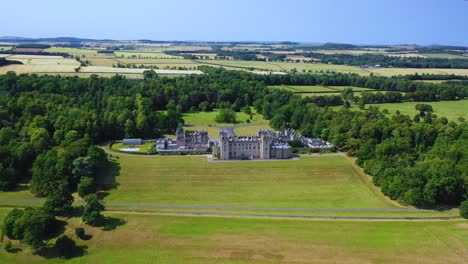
175	239
326	182
208	118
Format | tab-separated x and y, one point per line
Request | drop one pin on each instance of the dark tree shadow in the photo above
51	252
14	250
56	229
19	188
111	223
107	174
86	237
77	211
102	194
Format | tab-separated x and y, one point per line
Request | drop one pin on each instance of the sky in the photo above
312	21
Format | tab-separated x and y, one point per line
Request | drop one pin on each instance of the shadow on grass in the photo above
13	250
111	223
52	252
107	174
56	229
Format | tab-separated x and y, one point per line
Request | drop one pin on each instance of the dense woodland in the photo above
389	61
49	126
4	62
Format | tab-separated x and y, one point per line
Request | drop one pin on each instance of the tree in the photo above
65	246
130	128
86	186
29	225
80	232
47	170
92	211
7	178
59	200
82	168
226	116
464	209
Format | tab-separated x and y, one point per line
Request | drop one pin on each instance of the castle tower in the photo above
265	144
223	145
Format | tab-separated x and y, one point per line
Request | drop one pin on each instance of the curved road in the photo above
260	215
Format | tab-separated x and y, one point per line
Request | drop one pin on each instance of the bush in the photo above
8	246
86	186
65	246
464	209
226	116
80	232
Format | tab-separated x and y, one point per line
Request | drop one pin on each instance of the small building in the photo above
132	141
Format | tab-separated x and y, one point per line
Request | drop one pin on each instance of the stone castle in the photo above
266	145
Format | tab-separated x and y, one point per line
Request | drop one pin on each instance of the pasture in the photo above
321	182
452	110
147	238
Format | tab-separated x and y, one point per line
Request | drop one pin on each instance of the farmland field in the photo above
180	239
143	54
286	66
452	110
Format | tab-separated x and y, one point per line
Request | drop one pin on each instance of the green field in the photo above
250	130
208	118
318	88
146	238
452	110
325	182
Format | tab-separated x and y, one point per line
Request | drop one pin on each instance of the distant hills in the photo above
327	45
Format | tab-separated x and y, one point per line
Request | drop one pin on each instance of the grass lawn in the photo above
452	110
208	118
325	182
250	130
146	238
317	88
213	132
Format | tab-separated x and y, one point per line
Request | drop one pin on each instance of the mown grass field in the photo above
452	110
208	118
250	130
325	182
146	238
317	88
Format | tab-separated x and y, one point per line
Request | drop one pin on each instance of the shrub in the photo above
8	246
80	232
65	246
464	209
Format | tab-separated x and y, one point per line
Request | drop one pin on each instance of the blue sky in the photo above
346	21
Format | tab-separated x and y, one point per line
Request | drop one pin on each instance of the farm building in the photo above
132	141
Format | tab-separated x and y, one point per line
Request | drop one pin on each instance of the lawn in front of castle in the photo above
310	182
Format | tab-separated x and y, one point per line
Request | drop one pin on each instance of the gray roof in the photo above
132	141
